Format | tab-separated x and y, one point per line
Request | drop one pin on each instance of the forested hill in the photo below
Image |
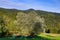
52	20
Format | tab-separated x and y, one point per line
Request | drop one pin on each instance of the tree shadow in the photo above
27	38
32	38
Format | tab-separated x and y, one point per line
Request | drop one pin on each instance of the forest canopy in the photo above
14	18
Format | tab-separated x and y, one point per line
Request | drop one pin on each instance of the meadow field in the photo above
40	37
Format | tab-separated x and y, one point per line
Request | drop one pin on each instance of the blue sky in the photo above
47	5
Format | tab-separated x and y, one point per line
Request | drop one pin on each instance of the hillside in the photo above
52	20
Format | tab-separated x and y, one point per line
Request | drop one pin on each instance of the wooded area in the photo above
26	22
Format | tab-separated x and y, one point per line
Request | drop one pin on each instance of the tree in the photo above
3	29
27	23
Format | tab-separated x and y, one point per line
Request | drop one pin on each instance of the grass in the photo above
40	37
51	36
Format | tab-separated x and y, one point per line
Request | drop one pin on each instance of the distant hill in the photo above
52	20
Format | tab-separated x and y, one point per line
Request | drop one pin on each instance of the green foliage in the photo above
4	32
52	20
27	23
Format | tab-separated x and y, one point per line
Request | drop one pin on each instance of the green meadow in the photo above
40	37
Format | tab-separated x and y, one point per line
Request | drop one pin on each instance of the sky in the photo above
46	5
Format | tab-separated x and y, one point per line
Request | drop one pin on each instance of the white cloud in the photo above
8	3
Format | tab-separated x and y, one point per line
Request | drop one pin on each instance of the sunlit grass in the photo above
51	36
